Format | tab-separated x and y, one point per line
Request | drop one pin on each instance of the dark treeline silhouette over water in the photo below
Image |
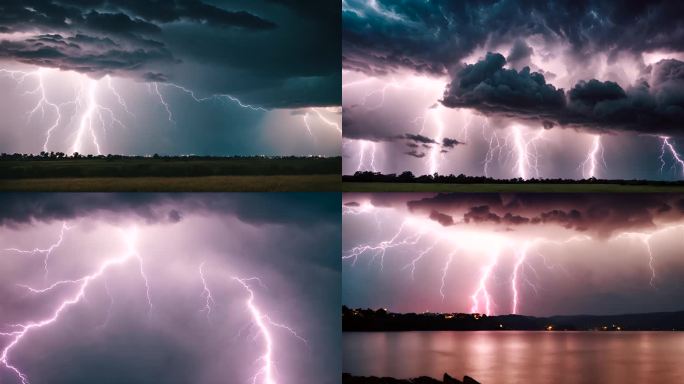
409	177
349	379
380	320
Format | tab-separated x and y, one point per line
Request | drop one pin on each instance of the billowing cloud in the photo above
177	41
490	88
384	36
516	73
602	215
296	209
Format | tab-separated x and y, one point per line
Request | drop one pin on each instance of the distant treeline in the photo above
409	177
380	320
77	156
58	164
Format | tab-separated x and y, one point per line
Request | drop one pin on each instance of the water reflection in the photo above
520	357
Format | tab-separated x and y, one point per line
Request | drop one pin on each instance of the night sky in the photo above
531	254
113	334
570	89
171	77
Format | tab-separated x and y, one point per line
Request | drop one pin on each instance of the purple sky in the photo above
532	254
146	314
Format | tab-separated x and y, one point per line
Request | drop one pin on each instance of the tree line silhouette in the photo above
409	177
58	164
381	320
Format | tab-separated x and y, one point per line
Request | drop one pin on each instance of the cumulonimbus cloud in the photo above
651	108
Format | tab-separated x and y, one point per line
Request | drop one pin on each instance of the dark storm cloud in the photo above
481	214
593	213
418	138
656	108
263	53
490	88
450	143
519	56
441	218
298	209
433	36
415	154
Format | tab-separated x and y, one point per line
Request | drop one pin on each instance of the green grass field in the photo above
479	188
275	183
168	167
171	174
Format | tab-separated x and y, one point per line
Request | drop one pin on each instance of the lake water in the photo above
519	356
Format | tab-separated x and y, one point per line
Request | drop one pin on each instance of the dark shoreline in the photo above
347	378
380	320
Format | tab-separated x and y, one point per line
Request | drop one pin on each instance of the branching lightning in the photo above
264	324
500	252
206	293
78	287
367	150
87	113
676	157
19	331
591	162
482	288
85	119
46	252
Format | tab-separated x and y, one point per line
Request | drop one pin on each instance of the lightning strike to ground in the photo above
676	157
264	324
412	232
591	163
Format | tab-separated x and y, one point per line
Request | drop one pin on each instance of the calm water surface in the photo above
520	357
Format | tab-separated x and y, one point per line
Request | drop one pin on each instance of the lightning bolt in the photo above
155	87
89	116
435	150
81	285
527	158
381	248
482	288
668	147
445	270
86	121
305	117
520	148
326	120
220	97
522	255
645	239
590	164
206	293
412	233
264	324
116	94
418	257
84	103
46	252
366	146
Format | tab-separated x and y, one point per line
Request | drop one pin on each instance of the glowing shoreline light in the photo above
14	334
496	252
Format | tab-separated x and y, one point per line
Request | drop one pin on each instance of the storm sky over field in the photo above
172	77
530	254
139	288
514	89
